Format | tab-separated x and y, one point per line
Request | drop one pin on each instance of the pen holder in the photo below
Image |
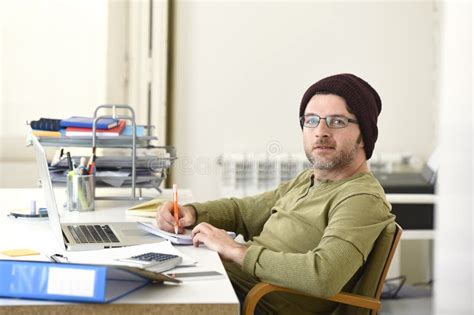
80	192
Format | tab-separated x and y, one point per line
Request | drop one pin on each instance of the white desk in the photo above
198	297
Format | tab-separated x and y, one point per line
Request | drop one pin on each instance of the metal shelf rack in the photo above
152	180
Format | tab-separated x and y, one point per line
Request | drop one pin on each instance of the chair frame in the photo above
372	303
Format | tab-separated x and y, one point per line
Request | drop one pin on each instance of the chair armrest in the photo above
355	300
262	288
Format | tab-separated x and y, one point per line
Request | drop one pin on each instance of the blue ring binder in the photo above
72	282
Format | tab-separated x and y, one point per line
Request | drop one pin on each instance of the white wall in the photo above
57	59
454	243
242	67
53	64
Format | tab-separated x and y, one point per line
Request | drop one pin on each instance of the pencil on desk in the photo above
175	208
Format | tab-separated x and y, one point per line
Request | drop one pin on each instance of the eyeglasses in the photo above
336	121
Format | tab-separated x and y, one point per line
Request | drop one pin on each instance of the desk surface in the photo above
196	296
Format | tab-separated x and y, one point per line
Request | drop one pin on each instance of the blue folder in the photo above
86	122
72	282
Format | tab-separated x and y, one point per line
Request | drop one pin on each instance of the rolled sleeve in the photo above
251	258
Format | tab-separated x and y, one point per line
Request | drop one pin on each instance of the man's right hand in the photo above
165	219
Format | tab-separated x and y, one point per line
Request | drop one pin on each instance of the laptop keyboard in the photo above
92	234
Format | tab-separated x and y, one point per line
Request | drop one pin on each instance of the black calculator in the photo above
157	262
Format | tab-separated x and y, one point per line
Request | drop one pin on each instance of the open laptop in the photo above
86	236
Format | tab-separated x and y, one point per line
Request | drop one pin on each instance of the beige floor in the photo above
408	306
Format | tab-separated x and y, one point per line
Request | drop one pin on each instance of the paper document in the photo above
205	275
116	178
146	209
149	208
110	256
182	239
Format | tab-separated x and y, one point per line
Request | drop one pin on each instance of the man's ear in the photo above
360	141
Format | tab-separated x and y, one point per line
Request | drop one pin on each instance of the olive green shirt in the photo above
306	235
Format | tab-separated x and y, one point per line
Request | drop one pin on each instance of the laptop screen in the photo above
48	191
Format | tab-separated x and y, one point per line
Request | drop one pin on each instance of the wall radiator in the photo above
245	174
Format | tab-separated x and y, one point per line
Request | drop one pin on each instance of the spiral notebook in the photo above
181	239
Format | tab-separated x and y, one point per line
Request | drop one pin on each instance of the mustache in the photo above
324	142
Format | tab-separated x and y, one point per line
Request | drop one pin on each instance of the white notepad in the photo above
182	239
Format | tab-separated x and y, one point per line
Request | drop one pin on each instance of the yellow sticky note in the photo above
19	252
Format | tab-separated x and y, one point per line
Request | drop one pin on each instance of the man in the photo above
313	233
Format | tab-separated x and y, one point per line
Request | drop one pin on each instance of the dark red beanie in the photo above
361	98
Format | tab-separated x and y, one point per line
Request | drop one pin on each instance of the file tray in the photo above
115	171
124	162
134	171
59	178
72	282
103	142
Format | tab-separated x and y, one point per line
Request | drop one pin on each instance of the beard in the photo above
341	160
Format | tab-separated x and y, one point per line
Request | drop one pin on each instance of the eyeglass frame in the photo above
349	120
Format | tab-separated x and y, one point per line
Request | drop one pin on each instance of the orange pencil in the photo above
175	208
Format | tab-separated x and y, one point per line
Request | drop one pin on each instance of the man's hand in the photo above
218	240
165	219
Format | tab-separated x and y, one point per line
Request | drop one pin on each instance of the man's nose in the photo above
322	130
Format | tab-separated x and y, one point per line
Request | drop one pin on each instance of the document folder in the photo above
72	282
146	209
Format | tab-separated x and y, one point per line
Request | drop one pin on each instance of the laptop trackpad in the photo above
134	232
